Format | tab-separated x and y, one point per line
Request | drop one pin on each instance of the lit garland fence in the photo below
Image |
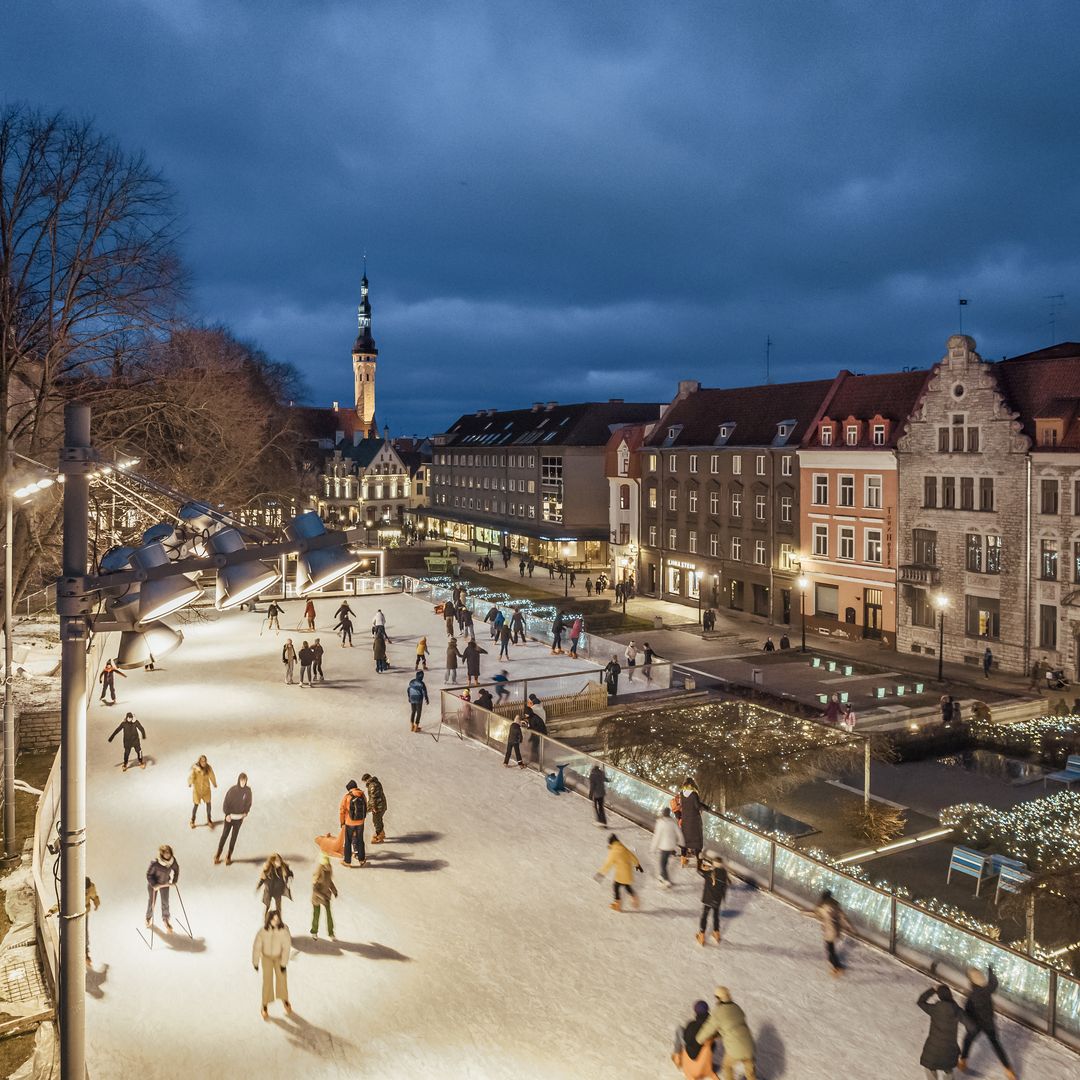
922	934
1051	738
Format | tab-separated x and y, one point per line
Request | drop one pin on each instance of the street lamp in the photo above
941	602
566	569
804	583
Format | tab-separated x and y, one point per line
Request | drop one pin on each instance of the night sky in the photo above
585	200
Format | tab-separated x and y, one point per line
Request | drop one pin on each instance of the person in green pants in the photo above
322	888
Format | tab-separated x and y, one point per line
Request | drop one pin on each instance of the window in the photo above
948	492
986	493
1047	626
652	463
714	502
958	433
624	496
551	472
821	489
967	492
691	496
846	496
993	554
821	540
532	487
973	440
1076	496
827	600
878	438
691	541
760	465
851	435
673	538
736	504
785	508
924	544
872	493
624	532
672	463
652	536
929	492
759	552
759	507
826	434
873	545
736	464
1076	560
943	440
974	550
714	544
1048	560
788	559
847	542
652	497
673	499
982	617
785	465
693	463
736	548
714	463
672	432
922	611
1048	496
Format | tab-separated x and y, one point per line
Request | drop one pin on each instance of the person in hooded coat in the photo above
199	780
271	949
940	1052
452	657
131	729
421	654
352	811
471	656
417	694
275	880
307	658
980	1010
693	1057
235	808
729	1022
690	822
378	651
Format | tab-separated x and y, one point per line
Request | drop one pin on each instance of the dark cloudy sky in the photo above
575	200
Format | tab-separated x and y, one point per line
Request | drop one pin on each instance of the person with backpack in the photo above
666	840
376	804
307	658
316	662
131	729
597	791
713	893
624	863
322	888
273	612
417	696
834	923
351	815
107	678
288	658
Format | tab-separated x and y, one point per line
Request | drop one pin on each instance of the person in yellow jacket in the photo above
199	780
624	862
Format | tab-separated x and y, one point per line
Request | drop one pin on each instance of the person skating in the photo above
513	743
200	780
421	654
648	656
351	814
713	892
471	656
163	872
597	789
235	808
490	618
834	924
536	717
940	1052
376	799
378	621
623	862
309	613
690	821
504	642
666	840
107	678
378	652
695	1059
575	636
132	729
449	613
517	627
502	685
322	889
288	658
417	695
316	662
343	611
610	676
557	626
93	902
452	657
344	624
271	949
273	613
275	880
980	1010
728	1021
630	655
306	658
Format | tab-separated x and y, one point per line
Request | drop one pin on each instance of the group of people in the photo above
532	718
308	656
769	646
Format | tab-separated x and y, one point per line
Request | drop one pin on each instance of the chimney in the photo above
550	405
537	406
688	387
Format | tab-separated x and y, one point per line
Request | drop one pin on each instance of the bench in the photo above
1067	776
966	861
1012	875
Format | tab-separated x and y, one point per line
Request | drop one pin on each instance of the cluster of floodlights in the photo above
139	610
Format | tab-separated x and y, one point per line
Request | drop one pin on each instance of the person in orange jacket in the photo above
351	815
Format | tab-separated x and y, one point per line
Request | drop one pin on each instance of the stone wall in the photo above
37	730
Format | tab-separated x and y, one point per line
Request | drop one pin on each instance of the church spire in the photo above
365	343
364	359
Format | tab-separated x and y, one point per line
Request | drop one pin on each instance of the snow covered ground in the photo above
474	944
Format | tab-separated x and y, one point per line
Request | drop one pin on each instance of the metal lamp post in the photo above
803	583
566	569
941	602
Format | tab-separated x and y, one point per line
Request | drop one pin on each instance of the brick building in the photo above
624	500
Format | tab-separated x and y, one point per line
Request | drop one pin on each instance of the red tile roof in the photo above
891	397
1045	385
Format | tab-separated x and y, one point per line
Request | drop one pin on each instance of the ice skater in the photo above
378	622
199	780
630	655
107	678
517	627
610	676
378	650
421	654
504	642
288	658
689	816
309	613
980	1010
235	808
272	946
306	660
471	655
728	1021
834	924
275	880
452	657
272	614
624	863
666	840
132	729
162	873
513	743
713	893
576	628
345	625
417	696
502	689
316	662
344	610
941	1053
322	889
648	656
376	799
597	789
351	814
694	1058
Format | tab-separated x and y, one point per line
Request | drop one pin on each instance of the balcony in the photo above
920	574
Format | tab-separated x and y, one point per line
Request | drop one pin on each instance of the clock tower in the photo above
364	356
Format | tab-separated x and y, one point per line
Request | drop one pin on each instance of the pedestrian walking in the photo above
307	658
235	808
768	646
980	1011
200	780
316	662
417	695
848	719
945	705
728	1021
107	678
513	743
351	814
273	612
517	626
504	642
163	872
588	586
309	613
345	625
376	799
521	568
666	840
132	729
573	578
647	661
618	592
421	654
271	949
630	655
531	565
785	642
288	658
557	633
690	821
713	893
322	889
610	676
597	790
988	662
834	924
694	1058
275	880
623	863
941	1052
471	656
832	710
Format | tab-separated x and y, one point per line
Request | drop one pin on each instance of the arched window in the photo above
624	496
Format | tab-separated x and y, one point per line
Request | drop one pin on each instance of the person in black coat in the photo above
235	808
537	727
131	729
597	784
316	661
611	676
940	1052
513	743
690	807
980	1010
714	889
307	658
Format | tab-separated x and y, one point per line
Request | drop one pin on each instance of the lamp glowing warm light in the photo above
803	582
164	595
941	601
236	584
314	569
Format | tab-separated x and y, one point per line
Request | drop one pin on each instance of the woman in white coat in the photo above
667	838
272	946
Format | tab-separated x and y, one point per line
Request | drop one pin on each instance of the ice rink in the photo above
474	944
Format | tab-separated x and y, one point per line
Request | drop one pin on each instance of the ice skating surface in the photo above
475	943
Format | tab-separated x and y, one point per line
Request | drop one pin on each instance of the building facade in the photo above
623	468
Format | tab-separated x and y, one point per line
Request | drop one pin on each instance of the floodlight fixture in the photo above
161	596
237	584
316	569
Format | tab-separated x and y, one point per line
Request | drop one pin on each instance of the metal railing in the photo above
1031	992
35	602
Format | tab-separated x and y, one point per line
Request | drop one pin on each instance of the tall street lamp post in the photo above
803	583
566	569
941	602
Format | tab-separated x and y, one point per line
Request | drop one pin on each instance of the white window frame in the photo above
825	435
691	496
868	487
786	506
761	503
845	484
736	504
785	465
759	465
714	503
759	552
736	548
736	464
873	536
845	540
714	545
691	541
714	463
877	437
820	480
693	463
821	541
673	499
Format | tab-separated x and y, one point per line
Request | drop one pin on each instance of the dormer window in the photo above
878	435
826	434
851	434
1048	433
672	432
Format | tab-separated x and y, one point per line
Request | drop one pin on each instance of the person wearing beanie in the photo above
351	814
940	1052
162	873
728	1021
692	1056
980	1010
624	863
